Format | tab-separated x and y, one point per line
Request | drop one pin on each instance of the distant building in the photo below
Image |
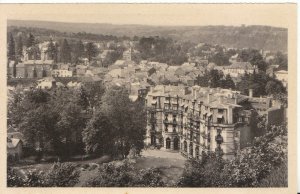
62	73
128	55
46	83
282	75
237	69
34	69
14	149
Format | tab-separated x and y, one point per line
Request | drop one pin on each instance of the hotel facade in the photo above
196	120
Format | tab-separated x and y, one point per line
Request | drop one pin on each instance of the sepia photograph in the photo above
144	95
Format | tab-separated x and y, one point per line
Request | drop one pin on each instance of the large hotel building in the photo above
194	120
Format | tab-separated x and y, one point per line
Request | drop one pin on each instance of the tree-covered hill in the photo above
258	37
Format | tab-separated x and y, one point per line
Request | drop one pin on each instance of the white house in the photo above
282	75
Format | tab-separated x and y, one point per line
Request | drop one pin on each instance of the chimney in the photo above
220	99
194	93
151	89
251	93
208	97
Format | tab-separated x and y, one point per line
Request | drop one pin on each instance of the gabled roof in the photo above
115	72
281	72
38	62
12	142
239	65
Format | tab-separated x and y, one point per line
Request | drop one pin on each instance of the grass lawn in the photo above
170	164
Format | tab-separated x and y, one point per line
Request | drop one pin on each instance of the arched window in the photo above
185	146
176	143
153	140
191	149
168	143
197	152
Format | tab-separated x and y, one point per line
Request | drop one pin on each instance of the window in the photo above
220	120
220	111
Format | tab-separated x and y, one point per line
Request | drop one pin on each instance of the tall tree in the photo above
70	126
52	50
30	41
65	52
91	51
228	82
127	118
19	49
97	136
78	51
11	48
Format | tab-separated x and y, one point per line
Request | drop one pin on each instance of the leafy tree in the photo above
97	135
281	60
65	52
220	58
91	51
254	57
274	87
228	82
34	52
11	47
214	78
163	50
203	80
90	95
70	126
39	128
111	58
127	119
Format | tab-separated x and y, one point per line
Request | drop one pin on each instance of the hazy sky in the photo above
158	14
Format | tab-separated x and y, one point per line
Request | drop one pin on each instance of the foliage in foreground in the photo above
253	167
59	175
123	174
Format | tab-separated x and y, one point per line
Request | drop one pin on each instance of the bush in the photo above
62	175
13	179
85	166
123	174
59	175
93	166
277	178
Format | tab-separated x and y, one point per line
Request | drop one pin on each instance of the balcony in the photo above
219	139
151	109
174	122
152	120
204	135
204	146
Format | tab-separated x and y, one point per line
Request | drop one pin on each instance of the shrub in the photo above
252	166
13	179
59	175
62	175
123	174
277	178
